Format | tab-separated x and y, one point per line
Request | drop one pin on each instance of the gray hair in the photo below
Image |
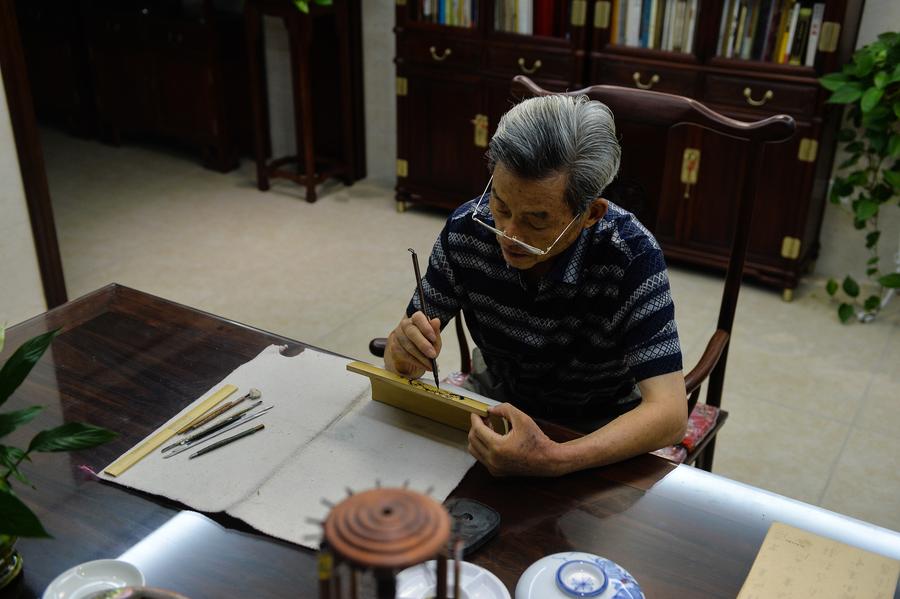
573	135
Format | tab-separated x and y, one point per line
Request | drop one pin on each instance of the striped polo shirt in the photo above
574	343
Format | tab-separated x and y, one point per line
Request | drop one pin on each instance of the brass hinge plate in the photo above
402	168
402	86
401	2
829	36
579	13
790	248
481	130
690	166
602	10
808	150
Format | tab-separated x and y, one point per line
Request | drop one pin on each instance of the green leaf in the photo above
833	81
871	240
866	209
842	187
858	178
13	420
856	146
882	192
864	63
891	281
10	458
2	336
872	303
871	98
850	286
872	260
17	519
897	109
894	146
881	79
859	224
845	312
847	93
892	177
877	140
21	362
831	286
871	271
69	437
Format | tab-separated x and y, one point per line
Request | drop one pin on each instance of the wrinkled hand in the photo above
524	451
412	345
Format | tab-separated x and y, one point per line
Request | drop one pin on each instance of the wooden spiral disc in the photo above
387	528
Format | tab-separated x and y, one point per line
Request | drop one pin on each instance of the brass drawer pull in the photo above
534	68
637	80
447	52
766	97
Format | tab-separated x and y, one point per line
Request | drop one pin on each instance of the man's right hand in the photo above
412	345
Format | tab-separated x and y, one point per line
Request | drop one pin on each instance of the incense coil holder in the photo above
387	528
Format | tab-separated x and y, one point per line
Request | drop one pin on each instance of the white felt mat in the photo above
323	435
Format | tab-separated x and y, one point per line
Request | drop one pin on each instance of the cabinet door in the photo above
439	117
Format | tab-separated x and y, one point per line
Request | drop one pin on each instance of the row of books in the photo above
457	13
658	24
780	31
529	17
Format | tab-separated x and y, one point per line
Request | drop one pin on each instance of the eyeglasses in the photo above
528	248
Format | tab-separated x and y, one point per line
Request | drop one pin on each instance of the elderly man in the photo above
565	294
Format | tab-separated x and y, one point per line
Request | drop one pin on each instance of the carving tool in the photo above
252	394
233	425
141	451
231	439
212	429
415	261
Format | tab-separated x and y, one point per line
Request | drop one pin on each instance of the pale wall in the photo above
843	247
21	291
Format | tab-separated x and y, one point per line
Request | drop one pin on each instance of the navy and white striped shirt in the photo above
576	342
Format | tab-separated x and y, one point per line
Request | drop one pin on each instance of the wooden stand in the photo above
327	89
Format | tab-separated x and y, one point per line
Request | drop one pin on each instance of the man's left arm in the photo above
659	420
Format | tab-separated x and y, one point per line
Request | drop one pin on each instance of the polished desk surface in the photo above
128	361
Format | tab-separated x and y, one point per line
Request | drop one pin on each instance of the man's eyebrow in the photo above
537	214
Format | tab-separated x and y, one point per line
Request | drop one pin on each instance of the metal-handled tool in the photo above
415	261
211	429
231	439
243	420
252	394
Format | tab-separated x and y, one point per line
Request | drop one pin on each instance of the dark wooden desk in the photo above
128	361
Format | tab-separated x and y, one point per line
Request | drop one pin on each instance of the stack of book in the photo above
457	13
780	31
657	24
532	17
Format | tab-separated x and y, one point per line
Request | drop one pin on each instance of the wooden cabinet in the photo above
691	221
173	70
453	84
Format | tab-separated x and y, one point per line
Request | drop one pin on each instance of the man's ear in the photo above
595	212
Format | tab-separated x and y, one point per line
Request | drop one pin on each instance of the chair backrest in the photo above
666	111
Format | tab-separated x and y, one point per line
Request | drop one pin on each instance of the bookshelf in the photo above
453	85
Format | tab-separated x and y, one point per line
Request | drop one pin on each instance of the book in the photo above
633	23
789	36
766	10
732	27
614	22
739	31
676	41
723	27
645	22
779	21
668	22
750	29
524	16
801	36
815	30
691	20
660	23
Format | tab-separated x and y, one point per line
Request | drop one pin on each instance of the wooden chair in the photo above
666	111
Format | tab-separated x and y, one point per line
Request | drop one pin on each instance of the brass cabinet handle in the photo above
481	130
766	97
637	80
537	65
447	52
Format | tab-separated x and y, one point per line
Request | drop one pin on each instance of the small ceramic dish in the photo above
577	575
420	582
90	578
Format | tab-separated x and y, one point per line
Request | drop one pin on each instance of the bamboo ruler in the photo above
131	458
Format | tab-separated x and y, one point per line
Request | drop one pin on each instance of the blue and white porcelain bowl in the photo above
577	575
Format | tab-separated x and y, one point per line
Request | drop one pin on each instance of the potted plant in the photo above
16	519
870	86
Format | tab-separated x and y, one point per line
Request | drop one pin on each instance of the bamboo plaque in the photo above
418	397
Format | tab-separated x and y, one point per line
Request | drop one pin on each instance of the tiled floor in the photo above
815	407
